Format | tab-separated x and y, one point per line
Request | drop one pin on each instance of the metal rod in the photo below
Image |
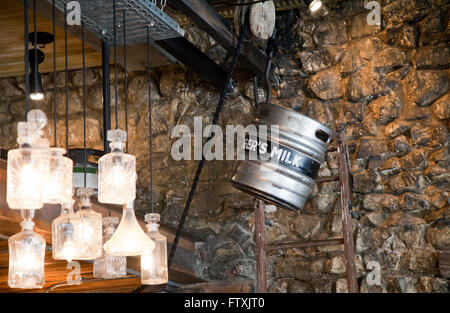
35	67
115	65
150	119
305	244
54	75
66	77
83	42
347	227
27	56
260	238
125	74
106	94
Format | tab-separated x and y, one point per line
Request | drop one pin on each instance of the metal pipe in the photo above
106	94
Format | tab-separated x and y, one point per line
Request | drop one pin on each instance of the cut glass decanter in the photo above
26	169
58	187
26	256
154	264
117	172
110	266
65	232
89	244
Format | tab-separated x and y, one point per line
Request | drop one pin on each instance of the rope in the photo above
219	107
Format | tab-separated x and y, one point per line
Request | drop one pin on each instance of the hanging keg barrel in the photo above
288	157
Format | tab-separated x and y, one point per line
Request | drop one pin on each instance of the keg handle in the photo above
270	53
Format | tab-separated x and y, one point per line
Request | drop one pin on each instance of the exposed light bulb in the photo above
315	5
69	250
36	96
117	174
146	262
29	180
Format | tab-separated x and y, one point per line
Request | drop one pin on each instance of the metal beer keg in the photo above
287	160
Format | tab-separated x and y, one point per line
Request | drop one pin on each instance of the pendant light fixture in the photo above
89	242
110	266
26	256
28	164
154	264
117	172
65	233
129	238
154	270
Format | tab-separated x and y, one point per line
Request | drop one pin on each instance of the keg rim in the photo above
331	132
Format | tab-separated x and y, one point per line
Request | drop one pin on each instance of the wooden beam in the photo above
220	286
260	238
205	16
347	225
305	244
444	264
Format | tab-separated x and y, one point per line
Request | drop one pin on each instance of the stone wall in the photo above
389	83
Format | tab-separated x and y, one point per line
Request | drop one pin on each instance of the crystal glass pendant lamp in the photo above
26	169
154	264
89	243
110	266
129	238
58	187
117	172
26	256
65	232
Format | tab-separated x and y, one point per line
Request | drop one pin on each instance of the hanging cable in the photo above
150	120
237	51
125	75
115	65
35	67
66	77
54	75
27	56
84	100
256	91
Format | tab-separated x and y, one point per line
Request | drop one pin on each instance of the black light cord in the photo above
66	77
35	67
150	120
125	75
236	4
215	120
27	56
84	100
115	65
54	75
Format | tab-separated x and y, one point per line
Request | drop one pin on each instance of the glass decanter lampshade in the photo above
65	232
129	238
26	256
89	243
110	266
154	263
117	172
26	169
58	187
